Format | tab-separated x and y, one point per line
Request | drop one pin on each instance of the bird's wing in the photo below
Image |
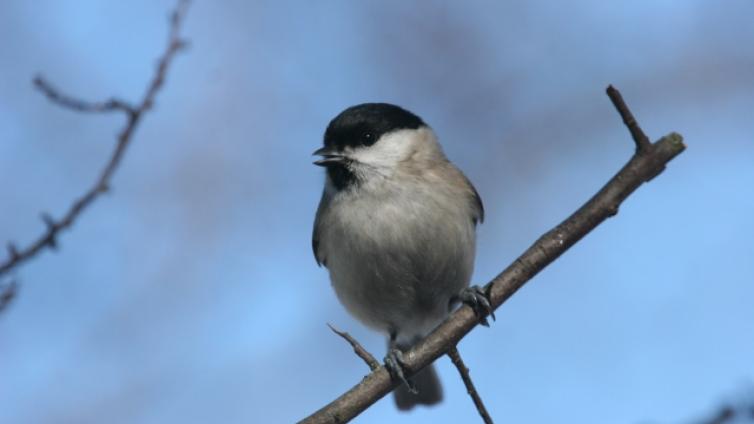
318	254
477	209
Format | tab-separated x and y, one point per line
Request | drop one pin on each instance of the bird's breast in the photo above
396	256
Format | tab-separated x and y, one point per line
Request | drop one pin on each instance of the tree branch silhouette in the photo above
134	114
647	162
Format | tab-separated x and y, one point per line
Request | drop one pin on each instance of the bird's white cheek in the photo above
387	152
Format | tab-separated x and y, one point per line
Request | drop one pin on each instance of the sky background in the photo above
190	293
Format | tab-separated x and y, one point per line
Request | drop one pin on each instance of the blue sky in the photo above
190	294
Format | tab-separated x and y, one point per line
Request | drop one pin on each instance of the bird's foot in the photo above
394	364
475	297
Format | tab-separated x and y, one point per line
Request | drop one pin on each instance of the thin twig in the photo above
455	357
642	141
7	293
55	96
372	363
133	117
544	251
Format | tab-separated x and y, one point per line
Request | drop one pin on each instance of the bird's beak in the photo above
329	157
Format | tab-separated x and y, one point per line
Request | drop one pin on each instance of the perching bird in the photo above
396	228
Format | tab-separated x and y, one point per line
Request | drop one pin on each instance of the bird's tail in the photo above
428	390
427	384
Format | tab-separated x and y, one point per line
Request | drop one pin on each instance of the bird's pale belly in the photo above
398	283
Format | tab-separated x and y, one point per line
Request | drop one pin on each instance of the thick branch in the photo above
133	117
642	166
455	357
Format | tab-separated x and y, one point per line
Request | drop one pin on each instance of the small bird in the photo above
396	229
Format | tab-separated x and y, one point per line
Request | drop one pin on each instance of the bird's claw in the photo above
394	364
477	299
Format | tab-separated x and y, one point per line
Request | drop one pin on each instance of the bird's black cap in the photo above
364	124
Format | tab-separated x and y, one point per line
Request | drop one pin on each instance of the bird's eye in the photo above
367	138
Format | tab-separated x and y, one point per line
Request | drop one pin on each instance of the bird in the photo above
396	230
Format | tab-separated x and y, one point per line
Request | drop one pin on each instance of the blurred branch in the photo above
643	166
133	114
78	105
455	357
7	293
731	414
726	414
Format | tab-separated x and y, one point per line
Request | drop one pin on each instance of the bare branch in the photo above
455	357
359	350
642	166
642	141
133	118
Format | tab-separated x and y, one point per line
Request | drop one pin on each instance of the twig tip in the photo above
676	139
643	145
48	220
7	293
12	250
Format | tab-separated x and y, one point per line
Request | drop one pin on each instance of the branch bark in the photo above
645	164
133	114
